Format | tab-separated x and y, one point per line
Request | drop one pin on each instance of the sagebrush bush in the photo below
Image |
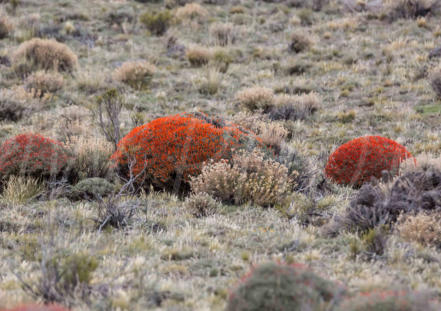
201	204
388	300
246	178
43	82
171	149
137	74
299	43
424	228
33	155
255	98
294	107
198	55
36	307
359	160
44	54
157	22
282	287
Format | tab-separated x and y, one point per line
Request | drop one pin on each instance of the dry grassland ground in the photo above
370	76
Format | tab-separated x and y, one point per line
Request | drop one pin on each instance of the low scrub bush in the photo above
395	9
168	150
35	307
43	54
299	43
91	157
246	178
294	107
223	33
5	26
90	188
156	22
191	11
359	160
424	228
201	204
43	82
435	82
255	98
282	287
33	155
199	56
388	300
136	74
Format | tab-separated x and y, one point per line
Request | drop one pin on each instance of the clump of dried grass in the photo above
424	228
42	82
223	33
255	98
191	11
198	55
294	107
91	157
247	178
20	190
137	74
43	54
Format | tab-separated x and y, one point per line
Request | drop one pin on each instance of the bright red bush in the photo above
360	159
173	148
32	155
35	307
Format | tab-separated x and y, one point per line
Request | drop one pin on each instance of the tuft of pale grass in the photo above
191	11
44	54
20	190
198	55
137	74
424	228
42	82
91	156
223	33
255	98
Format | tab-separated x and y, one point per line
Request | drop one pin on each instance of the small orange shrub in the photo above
32	155
35	307
360	159
173	148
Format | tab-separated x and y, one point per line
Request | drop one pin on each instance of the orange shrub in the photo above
32	155
173	148
360	159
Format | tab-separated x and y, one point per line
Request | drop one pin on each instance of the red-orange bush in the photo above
360	159
35	307
173	148
32	155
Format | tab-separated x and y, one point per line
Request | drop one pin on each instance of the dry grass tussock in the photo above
255	98
191	11
137	74
45	54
